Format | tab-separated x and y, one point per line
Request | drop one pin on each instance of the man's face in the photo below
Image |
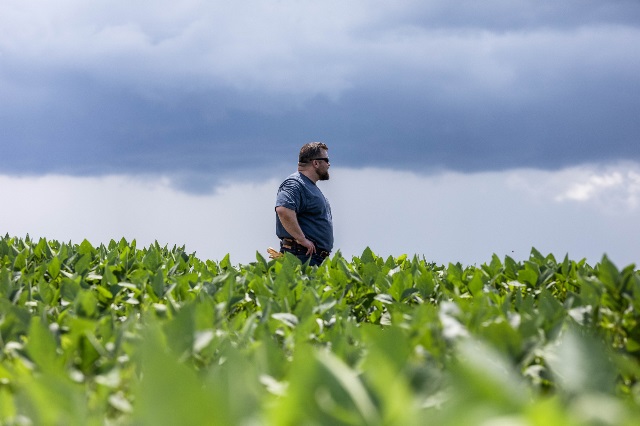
322	167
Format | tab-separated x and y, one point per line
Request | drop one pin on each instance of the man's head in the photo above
314	161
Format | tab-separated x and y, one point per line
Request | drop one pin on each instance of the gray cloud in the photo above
582	211
507	15
205	91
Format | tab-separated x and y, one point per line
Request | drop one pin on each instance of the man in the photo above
303	214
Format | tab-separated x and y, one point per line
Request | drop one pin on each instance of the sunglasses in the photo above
323	159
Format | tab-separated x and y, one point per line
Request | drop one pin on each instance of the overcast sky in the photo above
198	99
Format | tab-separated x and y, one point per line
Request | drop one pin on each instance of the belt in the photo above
290	243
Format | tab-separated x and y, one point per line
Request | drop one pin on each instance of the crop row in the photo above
117	334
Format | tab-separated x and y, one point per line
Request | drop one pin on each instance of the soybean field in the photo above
123	335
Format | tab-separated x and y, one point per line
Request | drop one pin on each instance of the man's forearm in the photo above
289	220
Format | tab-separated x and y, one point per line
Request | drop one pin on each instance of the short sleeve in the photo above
290	195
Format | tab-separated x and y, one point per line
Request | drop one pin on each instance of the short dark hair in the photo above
311	150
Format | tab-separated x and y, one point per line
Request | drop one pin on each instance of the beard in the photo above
323	176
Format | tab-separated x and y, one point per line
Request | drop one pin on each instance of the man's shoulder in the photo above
295	176
294	179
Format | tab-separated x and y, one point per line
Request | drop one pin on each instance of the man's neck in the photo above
311	174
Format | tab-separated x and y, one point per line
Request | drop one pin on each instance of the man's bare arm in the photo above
289	220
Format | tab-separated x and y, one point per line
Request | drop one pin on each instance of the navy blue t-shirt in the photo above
301	195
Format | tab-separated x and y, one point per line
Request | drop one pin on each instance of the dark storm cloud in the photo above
414	85
118	133
505	15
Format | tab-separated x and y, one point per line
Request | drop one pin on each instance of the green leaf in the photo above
40	250
20	261
5	282
632	345
152	259
225	263
181	330
86	248
47	292
108	277
42	348
425	283
609	275
551	313
69	289
510	268
170	392
476	285
483	379
323	390
157	283
402	280
104	293
260	258
82	265
55	400
528	275
566	266
454	274
54	268
86	304
7	406
287	319
581	364
536	256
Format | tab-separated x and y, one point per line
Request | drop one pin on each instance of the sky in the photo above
456	129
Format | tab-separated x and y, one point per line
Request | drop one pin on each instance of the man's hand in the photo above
311	248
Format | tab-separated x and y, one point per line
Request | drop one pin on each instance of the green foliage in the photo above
120	335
